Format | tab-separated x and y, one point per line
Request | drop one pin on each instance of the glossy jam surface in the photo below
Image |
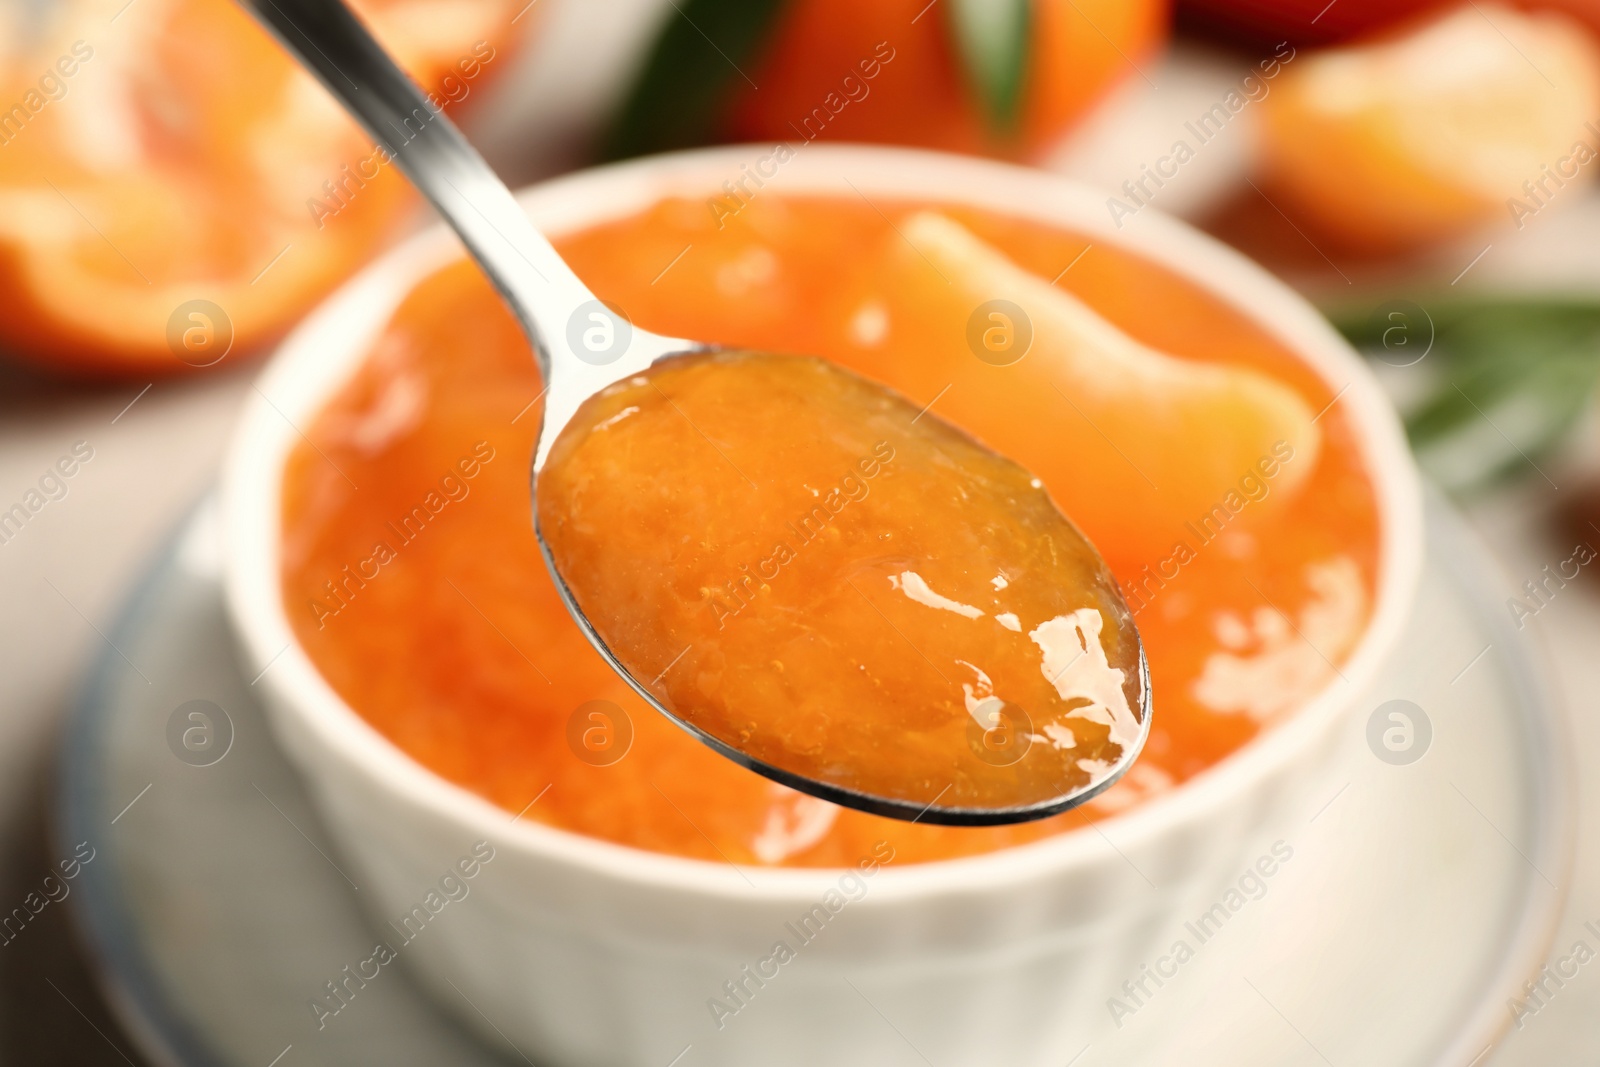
423	599
800	563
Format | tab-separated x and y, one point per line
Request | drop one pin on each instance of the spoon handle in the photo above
333	44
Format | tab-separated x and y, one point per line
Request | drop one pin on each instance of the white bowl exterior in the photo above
578	951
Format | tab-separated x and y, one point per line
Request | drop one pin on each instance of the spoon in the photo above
913	755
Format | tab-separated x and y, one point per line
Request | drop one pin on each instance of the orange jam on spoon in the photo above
822	577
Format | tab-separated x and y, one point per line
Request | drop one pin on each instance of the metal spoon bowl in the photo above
556	312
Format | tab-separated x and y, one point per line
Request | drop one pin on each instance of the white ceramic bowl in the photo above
580	952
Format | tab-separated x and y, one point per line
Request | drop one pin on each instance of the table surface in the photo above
157	446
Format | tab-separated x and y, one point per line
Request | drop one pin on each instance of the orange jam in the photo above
806	567
413	579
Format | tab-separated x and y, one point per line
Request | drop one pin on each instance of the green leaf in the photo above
1507	379
1498	418
992	39
704	47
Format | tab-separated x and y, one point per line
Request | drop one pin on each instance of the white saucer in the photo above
1417	899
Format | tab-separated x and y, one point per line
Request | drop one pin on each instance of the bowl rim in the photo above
331	343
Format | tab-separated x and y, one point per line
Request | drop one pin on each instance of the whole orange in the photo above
812	79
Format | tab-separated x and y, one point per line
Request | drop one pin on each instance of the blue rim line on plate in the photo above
1555	803
101	916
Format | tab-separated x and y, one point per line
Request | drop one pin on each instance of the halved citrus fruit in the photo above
170	180
1424	135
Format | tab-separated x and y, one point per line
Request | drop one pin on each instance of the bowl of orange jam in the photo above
634	895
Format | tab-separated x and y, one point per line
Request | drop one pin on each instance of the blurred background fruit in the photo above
997	77
1299	22
173	189
185	158
1437	129
1318	22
